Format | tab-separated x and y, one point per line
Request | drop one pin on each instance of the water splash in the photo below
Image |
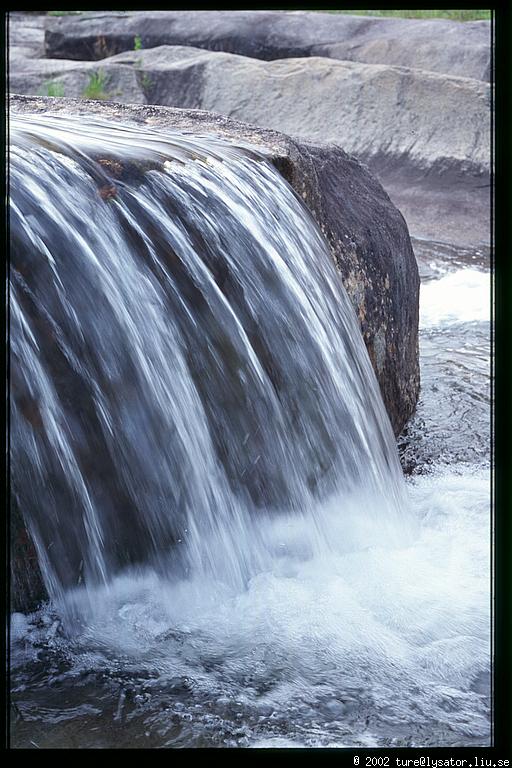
456	297
383	646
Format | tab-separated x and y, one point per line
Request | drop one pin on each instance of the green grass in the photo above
146	82
52	88
63	13
95	88
137	43
457	15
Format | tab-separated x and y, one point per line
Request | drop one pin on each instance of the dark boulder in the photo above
26	583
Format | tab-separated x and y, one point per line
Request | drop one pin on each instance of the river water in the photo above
365	618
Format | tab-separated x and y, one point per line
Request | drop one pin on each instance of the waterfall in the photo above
200	452
189	383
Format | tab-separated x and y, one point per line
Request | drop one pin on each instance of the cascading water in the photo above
186	358
198	443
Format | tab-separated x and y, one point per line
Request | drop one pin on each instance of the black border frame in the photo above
501	429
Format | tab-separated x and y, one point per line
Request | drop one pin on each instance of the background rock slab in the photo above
426	136
450	47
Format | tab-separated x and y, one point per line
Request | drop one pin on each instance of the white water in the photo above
456	297
339	647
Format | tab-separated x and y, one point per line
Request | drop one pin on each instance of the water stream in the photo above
202	456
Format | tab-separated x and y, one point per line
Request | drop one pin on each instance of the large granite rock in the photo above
442	46
391	114
367	235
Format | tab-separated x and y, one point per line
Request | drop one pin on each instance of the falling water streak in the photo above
186	361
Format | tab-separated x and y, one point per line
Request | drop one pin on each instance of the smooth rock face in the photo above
73	79
26	35
425	136
373	111
379	113
447	47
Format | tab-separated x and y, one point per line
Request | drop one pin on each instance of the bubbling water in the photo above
379	646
